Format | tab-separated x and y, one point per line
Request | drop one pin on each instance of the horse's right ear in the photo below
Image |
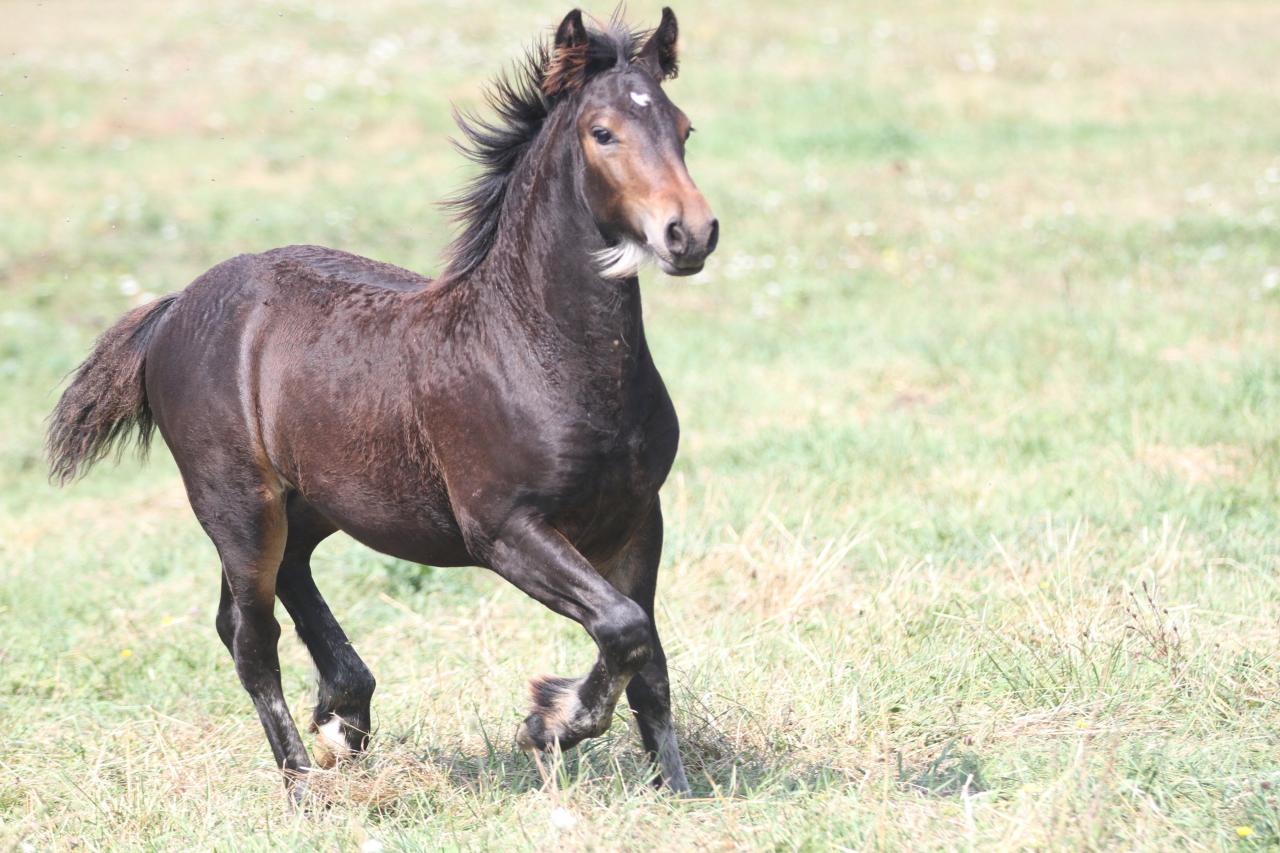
567	68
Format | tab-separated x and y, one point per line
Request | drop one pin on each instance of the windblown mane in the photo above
522	100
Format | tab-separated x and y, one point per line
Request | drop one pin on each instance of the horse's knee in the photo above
626	635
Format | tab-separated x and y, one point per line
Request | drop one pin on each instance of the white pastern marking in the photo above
331	731
641	98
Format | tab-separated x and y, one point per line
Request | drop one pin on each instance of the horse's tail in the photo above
107	399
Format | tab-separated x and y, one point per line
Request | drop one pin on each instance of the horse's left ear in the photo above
659	53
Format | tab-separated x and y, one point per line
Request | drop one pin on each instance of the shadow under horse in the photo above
506	414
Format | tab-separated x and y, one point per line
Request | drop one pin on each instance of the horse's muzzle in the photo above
687	245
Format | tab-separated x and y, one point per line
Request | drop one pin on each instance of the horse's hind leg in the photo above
246	522
635	574
346	685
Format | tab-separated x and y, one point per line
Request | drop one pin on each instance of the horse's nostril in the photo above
714	236
677	237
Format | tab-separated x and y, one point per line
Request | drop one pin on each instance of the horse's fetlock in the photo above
355	686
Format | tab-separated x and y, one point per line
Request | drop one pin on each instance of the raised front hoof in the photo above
557	716
336	741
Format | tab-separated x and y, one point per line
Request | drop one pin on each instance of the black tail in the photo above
107	398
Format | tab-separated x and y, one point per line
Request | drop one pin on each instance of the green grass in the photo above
973	538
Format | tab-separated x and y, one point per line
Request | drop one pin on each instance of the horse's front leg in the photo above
634	572
535	557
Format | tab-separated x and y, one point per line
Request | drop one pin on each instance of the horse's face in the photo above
635	180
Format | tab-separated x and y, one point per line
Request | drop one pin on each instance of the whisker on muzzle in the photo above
623	259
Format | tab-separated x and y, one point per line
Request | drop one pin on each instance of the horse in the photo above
506	415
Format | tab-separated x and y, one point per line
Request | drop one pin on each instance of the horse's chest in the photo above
632	466
619	479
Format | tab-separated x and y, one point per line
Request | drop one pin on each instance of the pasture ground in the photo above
973	538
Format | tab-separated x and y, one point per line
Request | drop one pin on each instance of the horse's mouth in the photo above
670	267
680	271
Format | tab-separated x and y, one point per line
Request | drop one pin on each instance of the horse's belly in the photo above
419	528
379	491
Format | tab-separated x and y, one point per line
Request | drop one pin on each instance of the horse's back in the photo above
308	284
342	269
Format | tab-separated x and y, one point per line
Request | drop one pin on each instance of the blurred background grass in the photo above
973	533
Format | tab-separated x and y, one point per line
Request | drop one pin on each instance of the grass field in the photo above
973	538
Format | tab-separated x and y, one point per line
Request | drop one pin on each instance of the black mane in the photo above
498	145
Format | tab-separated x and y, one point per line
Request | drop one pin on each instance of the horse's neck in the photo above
542	261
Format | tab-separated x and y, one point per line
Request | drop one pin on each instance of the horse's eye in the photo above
602	136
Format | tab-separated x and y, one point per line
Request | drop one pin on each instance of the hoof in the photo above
557	716
298	787
309	795
678	789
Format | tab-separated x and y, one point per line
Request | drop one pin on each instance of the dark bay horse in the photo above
506	414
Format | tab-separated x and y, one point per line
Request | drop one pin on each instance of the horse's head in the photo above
633	139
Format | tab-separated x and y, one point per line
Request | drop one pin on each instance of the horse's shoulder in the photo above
321	265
